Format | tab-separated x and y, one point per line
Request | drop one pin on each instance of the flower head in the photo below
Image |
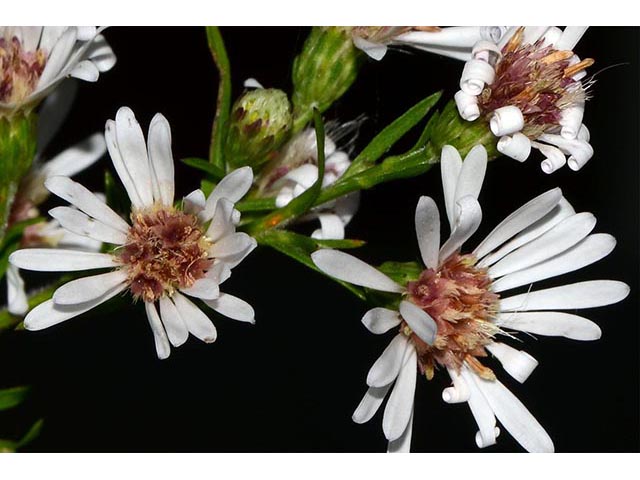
34	60
166	252
528	88
454	42
454	316
295	169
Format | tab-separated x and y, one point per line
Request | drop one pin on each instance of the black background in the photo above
292	381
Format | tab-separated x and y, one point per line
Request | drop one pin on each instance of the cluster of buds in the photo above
528	87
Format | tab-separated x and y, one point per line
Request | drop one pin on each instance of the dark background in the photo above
292	381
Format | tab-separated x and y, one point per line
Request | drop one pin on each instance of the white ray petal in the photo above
472	174
467	221
49	313
399	407
450	167
120	165
513	415
76	158
133	150
427	221
161	158
517	363
85	201
220	272
194	202
231	245
17	302
350	269
173	323
518	221
58	57
232	187
560	238
561	211
595	293
370	404
555	324
403	443
56	260
481	411
101	54
85	70
222	223
419	321
380	320
199	325
204	288
460	391
233	260
163	349
88	289
77	222
387	367
588	251
570	37
331	227
233	307
54	111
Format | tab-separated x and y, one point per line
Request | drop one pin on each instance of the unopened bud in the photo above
324	70
260	124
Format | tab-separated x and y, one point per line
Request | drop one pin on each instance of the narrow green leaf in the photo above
382	142
300	248
402	272
345	243
31	435
221	120
203	165
301	204
256	205
12	397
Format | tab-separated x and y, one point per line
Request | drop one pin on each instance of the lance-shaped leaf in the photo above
201	164
31	434
12	397
393	132
303	203
221	120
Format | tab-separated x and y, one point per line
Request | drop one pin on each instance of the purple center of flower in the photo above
165	250
20	70
538	80
458	297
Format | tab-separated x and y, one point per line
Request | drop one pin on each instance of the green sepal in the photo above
300	247
393	132
18	139
12	397
402	272
221	119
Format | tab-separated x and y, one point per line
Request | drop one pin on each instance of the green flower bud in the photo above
448	128
323	72
17	149
260	123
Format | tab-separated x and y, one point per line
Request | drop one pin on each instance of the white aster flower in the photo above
528	88
295	170
32	192
453	314
34	60
163	256
454	42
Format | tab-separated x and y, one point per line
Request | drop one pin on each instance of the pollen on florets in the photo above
20	70
537	79
166	249
458	297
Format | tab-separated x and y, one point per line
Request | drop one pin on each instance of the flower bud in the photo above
17	150
324	70
260	124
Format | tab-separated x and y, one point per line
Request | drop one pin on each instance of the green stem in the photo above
221	120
